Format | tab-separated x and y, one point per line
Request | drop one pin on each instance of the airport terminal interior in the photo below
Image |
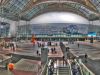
49	37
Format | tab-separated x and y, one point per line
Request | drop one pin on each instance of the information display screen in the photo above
92	34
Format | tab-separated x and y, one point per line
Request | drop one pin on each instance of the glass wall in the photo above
57	30
24	31
4	29
54	30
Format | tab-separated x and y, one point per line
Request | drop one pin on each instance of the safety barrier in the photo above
84	69
70	67
45	69
79	66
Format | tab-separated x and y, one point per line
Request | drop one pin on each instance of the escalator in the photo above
64	70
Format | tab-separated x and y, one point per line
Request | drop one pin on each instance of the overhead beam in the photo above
4	2
46	2
56	7
31	4
90	5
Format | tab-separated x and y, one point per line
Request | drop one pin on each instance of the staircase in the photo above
25	46
64	71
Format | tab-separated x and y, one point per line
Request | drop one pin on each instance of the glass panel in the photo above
96	3
18	5
77	6
84	10
35	10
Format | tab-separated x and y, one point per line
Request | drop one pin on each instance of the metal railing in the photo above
79	66
84	69
44	69
70	68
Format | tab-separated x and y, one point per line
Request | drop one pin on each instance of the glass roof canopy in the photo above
27	9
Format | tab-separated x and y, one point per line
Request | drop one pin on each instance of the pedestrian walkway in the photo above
93	61
57	54
27	49
27	67
93	53
19	72
95	44
93	65
5	72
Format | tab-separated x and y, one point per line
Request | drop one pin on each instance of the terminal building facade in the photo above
58	31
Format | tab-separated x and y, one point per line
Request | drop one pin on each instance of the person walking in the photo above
37	52
86	56
78	45
63	60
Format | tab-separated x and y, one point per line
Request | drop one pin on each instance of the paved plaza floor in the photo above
24	67
93	55
57	54
29	67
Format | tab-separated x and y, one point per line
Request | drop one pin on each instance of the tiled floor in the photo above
93	53
58	54
20	72
24	67
5	72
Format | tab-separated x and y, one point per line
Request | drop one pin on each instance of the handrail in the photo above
70	68
57	67
44	70
90	72
79	66
85	69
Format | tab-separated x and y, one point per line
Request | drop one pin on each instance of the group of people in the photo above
40	44
11	45
49	43
51	68
71	41
53	50
52	43
75	68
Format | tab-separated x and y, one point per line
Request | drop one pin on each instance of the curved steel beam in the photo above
3	2
30	5
47	2
56	7
82	2
97	6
